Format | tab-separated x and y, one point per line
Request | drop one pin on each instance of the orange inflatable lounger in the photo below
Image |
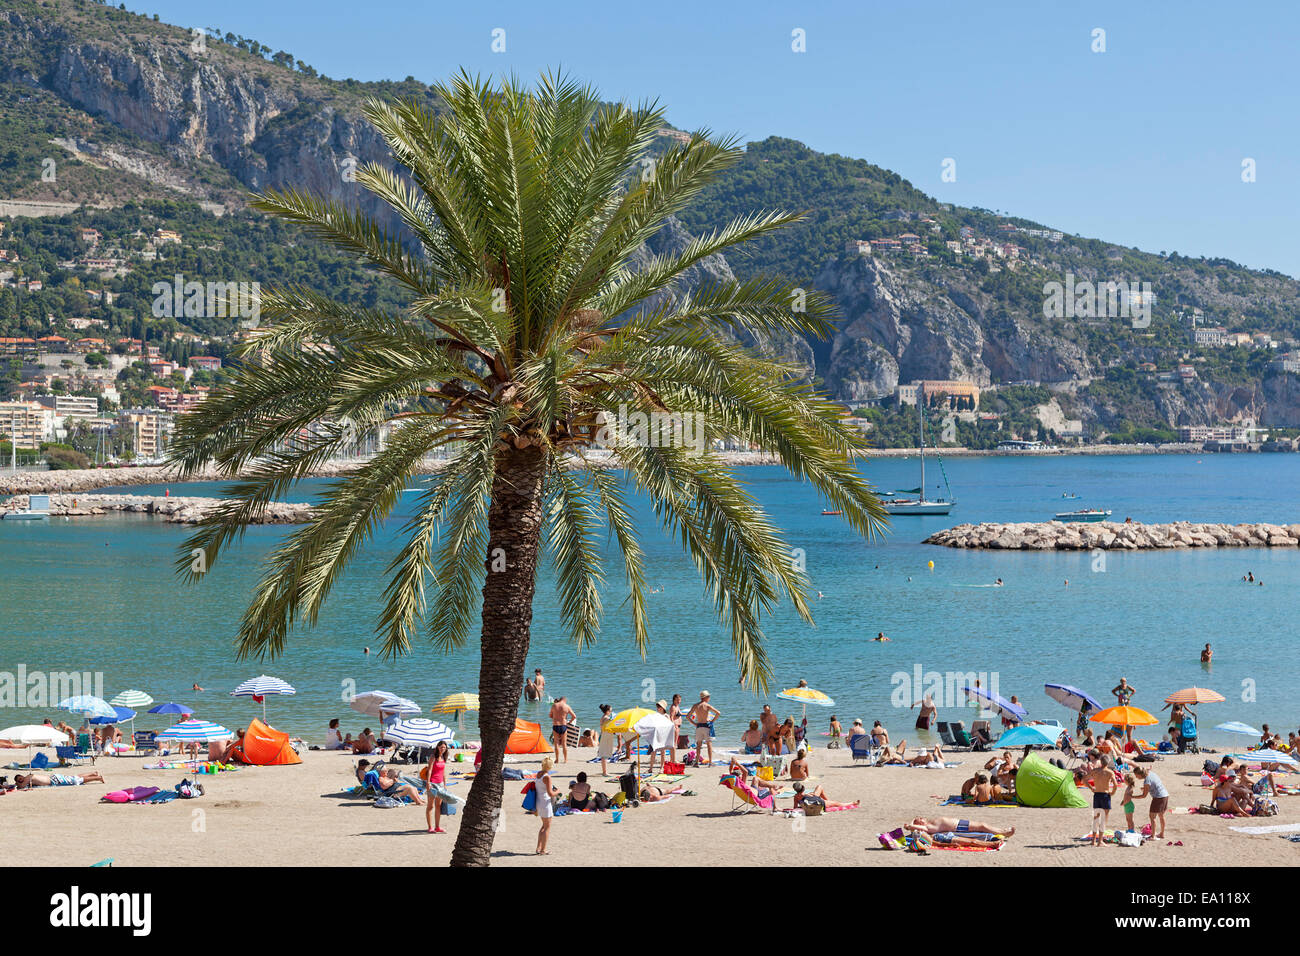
264	746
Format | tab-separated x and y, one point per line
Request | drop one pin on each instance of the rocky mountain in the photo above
129	107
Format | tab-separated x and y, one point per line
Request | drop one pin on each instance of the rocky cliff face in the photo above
898	328
268	130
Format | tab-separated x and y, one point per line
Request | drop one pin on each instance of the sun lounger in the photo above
945	734
744	798
862	749
69	754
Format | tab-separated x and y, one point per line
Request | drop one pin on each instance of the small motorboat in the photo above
832	512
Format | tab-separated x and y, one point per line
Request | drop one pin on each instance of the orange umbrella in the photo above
1124	716
1194	695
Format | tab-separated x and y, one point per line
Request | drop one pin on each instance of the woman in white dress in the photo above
546	797
608	741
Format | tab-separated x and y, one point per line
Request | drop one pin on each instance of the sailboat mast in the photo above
921	416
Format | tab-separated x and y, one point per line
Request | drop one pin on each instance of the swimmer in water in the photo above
196	687
1067	582
880	638
997	583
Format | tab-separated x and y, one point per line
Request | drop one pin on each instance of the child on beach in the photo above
1128	805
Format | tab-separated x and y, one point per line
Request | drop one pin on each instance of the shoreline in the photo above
1113	536
85	480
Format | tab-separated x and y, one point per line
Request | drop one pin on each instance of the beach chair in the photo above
945	734
146	741
68	754
981	734
862	749
744	799
959	736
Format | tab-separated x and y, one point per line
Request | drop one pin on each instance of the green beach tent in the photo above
1039	784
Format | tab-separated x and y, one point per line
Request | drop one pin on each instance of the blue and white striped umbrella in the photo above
263	687
132	698
1265	756
195	731
88	705
418	732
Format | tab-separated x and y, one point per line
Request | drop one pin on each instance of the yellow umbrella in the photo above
456	704
1195	695
1124	716
624	722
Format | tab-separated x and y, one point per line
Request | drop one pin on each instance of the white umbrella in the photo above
381	704
262	687
34	735
87	705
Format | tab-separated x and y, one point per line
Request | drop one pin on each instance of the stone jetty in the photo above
174	509
1115	536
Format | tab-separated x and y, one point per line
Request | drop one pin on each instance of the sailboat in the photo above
918	505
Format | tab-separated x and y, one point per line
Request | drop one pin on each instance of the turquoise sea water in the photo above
100	595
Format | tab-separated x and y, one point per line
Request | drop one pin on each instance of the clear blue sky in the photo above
1142	144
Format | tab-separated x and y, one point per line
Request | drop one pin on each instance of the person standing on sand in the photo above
702	715
1151	785
546	797
608	741
561	715
1101	781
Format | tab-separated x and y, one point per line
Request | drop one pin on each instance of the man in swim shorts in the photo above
27	781
702	715
1101	781
561	714
967	829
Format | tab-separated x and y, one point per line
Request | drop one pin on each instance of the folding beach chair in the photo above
68	754
959	736
945	734
145	741
744	799
862	748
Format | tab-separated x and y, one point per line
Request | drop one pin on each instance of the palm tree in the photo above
526	341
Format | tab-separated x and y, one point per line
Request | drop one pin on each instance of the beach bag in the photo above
813	806
674	768
1265	808
1129	838
600	801
448	808
387	803
628	783
530	800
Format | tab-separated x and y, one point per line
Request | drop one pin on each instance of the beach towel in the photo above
667	778
1276	828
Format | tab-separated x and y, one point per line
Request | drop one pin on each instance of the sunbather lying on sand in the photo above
937	825
801	796
891	756
386	782
29	780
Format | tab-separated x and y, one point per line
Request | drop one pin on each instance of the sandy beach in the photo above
300	815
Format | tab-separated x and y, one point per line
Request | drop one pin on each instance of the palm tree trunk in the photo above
514	537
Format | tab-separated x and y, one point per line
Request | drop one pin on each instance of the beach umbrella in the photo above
456	704
996	702
171	707
383	704
1124	716
34	735
1265	756
636	722
418	732
1071	696
120	715
87	705
806	696
1030	735
259	688
195	732
1237	727
1195	695
132	698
